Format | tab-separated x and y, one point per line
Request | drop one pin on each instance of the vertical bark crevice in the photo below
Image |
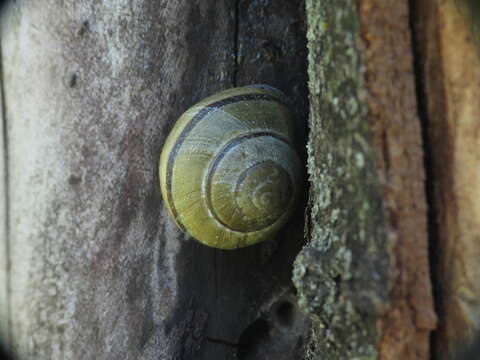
448	61
236	42
432	211
6	204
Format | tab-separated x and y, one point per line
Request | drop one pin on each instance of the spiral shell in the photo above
229	173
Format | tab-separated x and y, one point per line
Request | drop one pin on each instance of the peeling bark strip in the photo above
364	276
450	64
99	270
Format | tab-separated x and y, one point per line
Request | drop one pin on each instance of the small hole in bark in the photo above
84	28
251	340
74	180
285	313
72	81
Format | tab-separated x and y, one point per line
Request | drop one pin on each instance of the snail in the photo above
229	173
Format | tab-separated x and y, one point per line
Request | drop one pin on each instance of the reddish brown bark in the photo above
392	113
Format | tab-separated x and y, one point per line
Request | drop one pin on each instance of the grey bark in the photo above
98	269
346	211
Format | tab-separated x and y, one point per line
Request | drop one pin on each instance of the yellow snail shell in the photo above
229	173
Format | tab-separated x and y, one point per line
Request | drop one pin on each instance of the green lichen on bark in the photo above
341	274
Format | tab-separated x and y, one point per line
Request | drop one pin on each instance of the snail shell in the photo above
229	173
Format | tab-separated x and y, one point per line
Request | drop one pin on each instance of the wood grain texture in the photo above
449	60
99	270
90	101
364	276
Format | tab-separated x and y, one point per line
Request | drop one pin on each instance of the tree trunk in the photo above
97	268
364	276
92	266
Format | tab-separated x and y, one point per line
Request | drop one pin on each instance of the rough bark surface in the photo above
449	59
392	113
364	274
98	269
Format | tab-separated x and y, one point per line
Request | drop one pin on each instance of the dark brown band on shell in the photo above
207	109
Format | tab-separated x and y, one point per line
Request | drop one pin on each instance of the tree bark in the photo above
449	64
92	266
98	270
364	276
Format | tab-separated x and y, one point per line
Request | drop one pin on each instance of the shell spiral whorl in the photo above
229	173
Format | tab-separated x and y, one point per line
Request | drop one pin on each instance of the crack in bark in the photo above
236	42
221	341
7	202
432	229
